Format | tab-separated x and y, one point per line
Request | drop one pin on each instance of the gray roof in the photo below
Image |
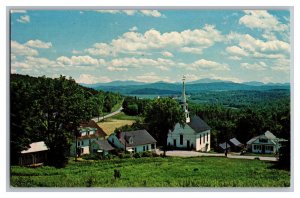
135	138
36	147
235	142
104	145
267	135
223	145
198	124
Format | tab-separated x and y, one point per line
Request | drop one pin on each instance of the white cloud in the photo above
167	54
22	50
32	63
24	19
76	52
90	79
189	40
79	61
133	29
259	66
110	68
235	58
152	77
256	48
235	50
192	50
150	13
281	65
208	65
38	44
261	19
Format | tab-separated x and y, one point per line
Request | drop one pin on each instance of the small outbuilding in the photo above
102	147
35	155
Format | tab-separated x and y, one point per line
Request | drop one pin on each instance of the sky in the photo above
93	46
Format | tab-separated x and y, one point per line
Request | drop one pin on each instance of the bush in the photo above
155	154
137	155
146	154
90	157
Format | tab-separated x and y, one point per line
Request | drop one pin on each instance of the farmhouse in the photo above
88	132
265	143
194	135
133	141
36	154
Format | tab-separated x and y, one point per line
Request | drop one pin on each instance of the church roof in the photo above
198	124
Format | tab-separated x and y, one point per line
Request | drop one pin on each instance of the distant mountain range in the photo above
165	88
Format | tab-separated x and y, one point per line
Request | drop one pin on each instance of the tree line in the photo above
51	110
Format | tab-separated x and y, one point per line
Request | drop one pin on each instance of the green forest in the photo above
50	110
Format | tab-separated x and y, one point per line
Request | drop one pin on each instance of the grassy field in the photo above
155	172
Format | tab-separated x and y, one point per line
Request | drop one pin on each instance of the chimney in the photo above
118	134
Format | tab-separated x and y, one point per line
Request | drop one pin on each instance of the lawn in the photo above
155	172
109	125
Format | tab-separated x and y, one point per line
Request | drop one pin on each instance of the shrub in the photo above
90	157
146	154
137	155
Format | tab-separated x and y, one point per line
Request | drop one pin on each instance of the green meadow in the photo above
155	172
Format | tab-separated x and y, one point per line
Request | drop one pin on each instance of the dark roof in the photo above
93	124
135	138
104	145
198	124
235	142
223	145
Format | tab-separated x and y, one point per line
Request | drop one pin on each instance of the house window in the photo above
143	148
135	149
200	139
269	148
257	147
147	148
152	145
207	137
181	139
263	140
89	142
82	143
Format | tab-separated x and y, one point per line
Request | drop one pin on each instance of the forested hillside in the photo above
50	110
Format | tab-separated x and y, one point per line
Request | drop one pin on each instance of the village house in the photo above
35	155
232	145
102	147
195	135
133	141
265	143
88	132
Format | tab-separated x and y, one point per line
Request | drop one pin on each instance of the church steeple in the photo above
183	102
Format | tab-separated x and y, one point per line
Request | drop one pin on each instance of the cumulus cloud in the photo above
188	40
152	77
38	44
133	29
261	19
208	65
150	13
79	61
256	48
90	79
235	50
167	54
259	66
22	50
24	19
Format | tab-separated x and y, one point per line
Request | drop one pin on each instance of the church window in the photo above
200	139
204	138
181	139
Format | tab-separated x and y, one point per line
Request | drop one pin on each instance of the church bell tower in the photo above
183	102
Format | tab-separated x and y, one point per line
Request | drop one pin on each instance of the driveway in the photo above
108	115
180	153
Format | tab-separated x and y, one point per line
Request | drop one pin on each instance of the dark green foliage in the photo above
285	156
134	106
161	115
50	110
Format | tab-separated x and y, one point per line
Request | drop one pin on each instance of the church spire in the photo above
183	102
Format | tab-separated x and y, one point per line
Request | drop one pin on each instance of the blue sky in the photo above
152	45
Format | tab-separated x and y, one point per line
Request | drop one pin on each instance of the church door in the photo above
188	144
174	143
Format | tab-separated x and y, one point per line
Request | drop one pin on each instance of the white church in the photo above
195	135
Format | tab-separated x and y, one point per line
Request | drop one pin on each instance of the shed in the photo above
35	155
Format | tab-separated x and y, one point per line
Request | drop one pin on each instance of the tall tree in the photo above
161	115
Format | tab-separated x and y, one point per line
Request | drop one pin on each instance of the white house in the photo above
88	132
265	143
194	135
134	141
